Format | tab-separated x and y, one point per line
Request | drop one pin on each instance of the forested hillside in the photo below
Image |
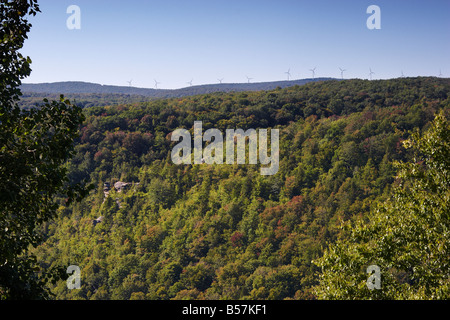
225	231
77	87
91	94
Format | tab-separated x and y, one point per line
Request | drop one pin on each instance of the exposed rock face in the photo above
120	186
98	220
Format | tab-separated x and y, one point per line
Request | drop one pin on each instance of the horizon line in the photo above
223	83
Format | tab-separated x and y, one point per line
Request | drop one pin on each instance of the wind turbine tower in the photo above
220	80
288	74
190	82
313	72
342	73
129	82
248	79
371	73
156	84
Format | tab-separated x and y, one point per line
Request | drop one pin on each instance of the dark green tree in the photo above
407	237
34	145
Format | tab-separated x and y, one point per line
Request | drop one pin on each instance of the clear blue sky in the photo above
204	40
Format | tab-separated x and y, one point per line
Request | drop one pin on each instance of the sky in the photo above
175	42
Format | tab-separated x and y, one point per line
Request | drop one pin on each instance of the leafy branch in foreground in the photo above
34	146
408	237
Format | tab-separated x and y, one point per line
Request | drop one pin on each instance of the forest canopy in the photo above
362	186
224	231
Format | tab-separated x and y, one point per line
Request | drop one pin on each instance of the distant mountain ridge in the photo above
78	87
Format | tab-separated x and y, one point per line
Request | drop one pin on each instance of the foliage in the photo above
225	231
31	100
408	237
34	146
85	90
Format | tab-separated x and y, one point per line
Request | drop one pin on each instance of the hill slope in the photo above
92	94
74	87
225	231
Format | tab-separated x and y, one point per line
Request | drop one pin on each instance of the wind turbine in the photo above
156	84
313	71
403	74
220	80
371	73
129	82
288	74
342	73
440	73
190	82
248	79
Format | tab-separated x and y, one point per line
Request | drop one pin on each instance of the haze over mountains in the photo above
78	87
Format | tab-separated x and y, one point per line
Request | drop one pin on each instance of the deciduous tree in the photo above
34	145
408	237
